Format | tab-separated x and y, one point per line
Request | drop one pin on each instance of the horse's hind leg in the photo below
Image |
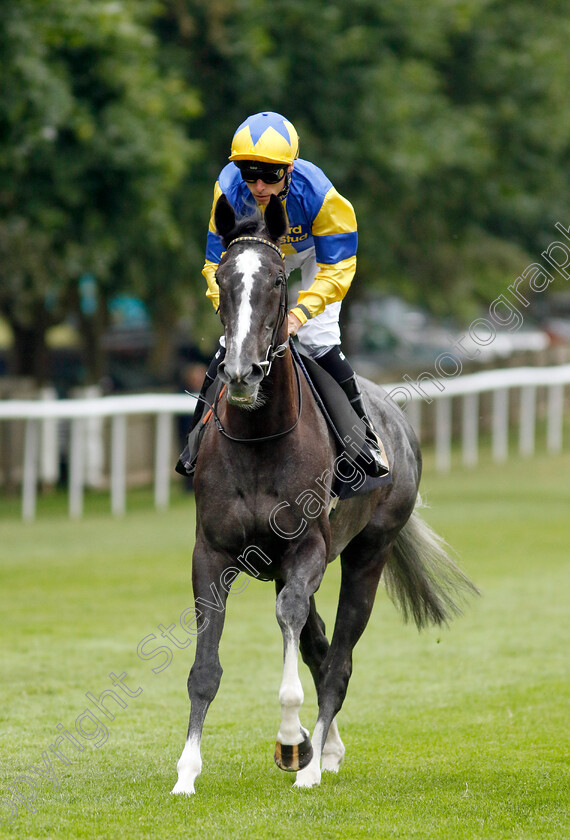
205	675
361	571
314	648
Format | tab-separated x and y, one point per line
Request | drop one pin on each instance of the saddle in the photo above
348	429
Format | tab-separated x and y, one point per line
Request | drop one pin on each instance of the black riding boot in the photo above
335	362
187	462
352	390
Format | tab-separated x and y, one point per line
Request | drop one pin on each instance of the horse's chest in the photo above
239	519
260	503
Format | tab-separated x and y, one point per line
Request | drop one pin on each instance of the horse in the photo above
263	485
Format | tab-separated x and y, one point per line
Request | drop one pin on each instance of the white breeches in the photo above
321	333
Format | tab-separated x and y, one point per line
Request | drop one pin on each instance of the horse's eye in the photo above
280	279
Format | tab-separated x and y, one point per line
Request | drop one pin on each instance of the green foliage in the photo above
92	149
447	125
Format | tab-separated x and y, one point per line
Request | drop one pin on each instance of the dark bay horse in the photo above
263	486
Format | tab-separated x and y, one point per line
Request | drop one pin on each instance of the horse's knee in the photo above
292	607
204	681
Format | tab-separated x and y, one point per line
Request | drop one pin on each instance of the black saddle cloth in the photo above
349	431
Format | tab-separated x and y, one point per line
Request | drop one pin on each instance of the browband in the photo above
257	239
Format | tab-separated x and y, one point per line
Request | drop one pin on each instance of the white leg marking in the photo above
248	263
291	698
333	750
189	767
311	774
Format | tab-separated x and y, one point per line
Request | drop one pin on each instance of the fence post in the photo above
76	468
49	449
94	454
555	418
470	429
527	419
30	477
443	433
162	458
500	424
118	464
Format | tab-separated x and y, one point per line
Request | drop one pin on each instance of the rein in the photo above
275	350
265	438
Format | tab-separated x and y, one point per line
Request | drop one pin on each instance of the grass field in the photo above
455	733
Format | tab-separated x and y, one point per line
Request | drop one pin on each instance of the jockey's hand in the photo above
293	324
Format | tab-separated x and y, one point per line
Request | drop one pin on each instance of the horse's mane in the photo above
252	225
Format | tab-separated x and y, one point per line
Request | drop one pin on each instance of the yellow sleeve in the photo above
330	285
212	292
335	234
217	194
210	267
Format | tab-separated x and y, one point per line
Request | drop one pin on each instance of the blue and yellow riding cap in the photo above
266	137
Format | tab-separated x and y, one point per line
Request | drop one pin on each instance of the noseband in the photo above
274	350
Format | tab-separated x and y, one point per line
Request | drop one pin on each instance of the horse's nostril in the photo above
233	373
250	375
222	373
256	373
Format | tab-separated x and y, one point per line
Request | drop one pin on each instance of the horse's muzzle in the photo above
243	384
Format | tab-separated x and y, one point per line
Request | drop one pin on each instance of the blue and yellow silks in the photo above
318	217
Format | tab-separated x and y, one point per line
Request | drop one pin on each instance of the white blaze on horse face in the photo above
247	263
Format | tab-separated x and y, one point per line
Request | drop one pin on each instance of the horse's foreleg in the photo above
314	648
203	682
357	593
293	749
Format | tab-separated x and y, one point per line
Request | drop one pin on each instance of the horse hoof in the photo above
294	757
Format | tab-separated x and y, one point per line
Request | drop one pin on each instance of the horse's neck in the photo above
280	407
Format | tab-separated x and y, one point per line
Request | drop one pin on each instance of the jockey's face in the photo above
262	192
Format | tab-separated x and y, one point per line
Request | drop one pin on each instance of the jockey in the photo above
321	242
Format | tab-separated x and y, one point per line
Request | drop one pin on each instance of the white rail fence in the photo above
470	388
40	418
41	431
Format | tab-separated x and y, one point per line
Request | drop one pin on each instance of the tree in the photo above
92	148
445	123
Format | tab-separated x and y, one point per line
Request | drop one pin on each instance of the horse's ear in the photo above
275	218
224	217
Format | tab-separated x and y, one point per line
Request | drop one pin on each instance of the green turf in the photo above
455	733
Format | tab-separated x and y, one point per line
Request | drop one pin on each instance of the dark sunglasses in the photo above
268	174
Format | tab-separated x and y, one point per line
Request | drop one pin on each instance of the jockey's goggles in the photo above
269	173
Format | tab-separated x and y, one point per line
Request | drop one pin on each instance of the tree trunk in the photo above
29	357
93	353
162	362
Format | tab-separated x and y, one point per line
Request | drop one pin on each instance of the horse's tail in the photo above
421	578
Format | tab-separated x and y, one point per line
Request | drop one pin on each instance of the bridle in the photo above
275	350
